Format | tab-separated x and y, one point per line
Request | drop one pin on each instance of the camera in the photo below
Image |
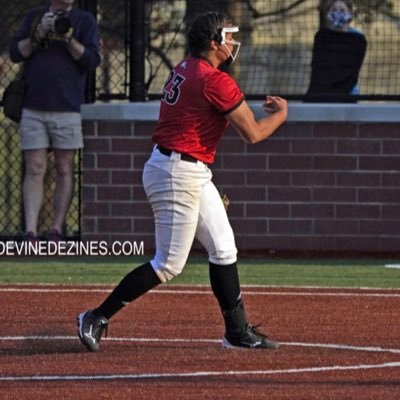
61	24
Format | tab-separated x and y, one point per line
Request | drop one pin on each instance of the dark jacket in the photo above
336	61
54	80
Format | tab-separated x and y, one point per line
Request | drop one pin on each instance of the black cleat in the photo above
90	328
249	338
240	334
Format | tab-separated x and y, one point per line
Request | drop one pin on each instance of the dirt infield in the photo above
335	344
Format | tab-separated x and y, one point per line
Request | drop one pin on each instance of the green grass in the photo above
293	272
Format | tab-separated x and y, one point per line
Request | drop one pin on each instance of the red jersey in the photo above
195	100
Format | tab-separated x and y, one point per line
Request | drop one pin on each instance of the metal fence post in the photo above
90	91
137	89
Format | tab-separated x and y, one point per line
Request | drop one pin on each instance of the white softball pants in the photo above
185	204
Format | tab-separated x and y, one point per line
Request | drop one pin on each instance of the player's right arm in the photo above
252	130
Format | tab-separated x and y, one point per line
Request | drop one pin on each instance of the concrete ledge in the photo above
298	112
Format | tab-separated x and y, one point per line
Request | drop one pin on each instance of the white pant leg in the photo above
214	230
174	189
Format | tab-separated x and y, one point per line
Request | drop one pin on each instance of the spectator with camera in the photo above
58	45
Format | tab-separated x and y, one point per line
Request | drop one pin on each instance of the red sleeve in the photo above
222	92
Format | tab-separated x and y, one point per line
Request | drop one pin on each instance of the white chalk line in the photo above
197	374
202	292
373	349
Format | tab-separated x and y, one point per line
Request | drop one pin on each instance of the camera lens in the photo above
61	25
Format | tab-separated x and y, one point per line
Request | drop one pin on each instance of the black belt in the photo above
168	152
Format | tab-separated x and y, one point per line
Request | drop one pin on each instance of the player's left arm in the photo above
252	130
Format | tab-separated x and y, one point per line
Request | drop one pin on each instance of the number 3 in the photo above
172	90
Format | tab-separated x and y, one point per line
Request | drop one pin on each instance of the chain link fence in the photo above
275	57
277	38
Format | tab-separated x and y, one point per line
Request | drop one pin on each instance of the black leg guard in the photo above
133	285
225	285
235	319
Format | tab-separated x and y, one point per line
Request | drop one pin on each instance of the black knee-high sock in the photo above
225	285
133	285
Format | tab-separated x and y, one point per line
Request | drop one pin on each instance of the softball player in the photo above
198	103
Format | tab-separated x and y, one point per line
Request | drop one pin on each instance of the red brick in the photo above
138	193
289	194
249	226
335	227
391	178
313	178
114	161
228	177
143	128
245	193
391	211
114	128
357	211
116	225
272	145
313	146
89	224
389	244
336	163
114	193
139	160
143	225
96	145
235	209
379	130
88	193
120	177
267	210
291	162
391	147
357	243
380	163
93	208
311	243
97	177
312	210
335	129
268	178
293	129
241	161
232	145
89	128
131	145
357	179
378	195
290	226
131	209
357	146
333	194
380	227
88	161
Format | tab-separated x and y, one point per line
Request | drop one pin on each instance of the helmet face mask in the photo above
231	42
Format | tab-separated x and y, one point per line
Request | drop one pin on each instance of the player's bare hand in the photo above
273	104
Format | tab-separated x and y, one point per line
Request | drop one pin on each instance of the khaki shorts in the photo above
50	130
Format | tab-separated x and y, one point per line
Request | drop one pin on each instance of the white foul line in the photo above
372	349
204	292
198	374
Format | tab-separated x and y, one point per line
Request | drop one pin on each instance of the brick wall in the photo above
313	186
